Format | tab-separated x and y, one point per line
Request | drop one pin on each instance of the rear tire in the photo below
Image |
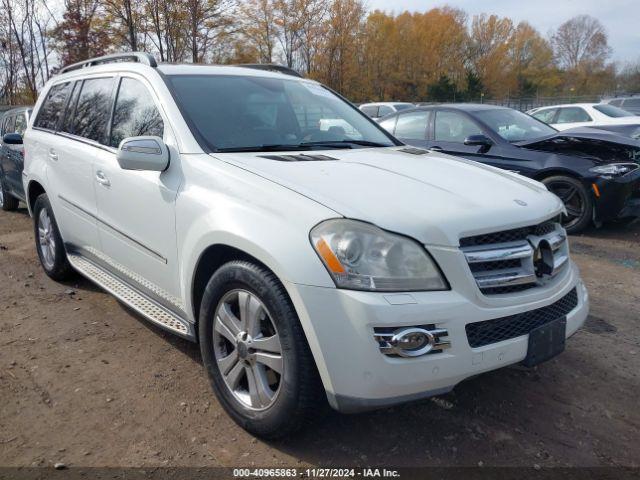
263	401
8	202
49	244
577	200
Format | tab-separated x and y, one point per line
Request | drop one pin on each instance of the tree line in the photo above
439	55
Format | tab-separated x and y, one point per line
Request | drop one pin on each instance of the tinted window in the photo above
514	126
402	106
573	115
52	107
546	116
370	110
93	110
8	124
21	123
241	112
135	113
611	111
384	110
69	118
412	126
632	102
616	103
454	127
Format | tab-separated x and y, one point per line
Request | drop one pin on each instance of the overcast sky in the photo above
621	18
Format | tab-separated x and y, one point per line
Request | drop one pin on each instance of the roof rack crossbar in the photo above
271	68
140	57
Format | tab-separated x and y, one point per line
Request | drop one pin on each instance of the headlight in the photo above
614	169
360	256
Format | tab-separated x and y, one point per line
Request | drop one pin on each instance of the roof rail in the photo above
140	57
271	68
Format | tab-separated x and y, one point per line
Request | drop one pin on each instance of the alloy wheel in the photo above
572	199
46	239
247	349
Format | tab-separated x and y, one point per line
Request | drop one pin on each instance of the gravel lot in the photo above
86	382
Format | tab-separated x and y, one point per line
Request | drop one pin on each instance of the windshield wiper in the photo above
345	143
286	147
266	148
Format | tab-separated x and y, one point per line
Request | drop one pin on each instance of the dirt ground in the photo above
86	382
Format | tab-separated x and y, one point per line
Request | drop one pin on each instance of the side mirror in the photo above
143	153
12	139
478	140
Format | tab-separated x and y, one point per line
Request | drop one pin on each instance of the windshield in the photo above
244	113
514	126
611	111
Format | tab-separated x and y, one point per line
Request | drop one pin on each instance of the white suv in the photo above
310	263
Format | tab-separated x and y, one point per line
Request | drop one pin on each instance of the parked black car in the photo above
595	172
13	123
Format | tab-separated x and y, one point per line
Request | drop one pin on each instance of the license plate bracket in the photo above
545	342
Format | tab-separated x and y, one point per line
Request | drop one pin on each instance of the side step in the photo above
140	303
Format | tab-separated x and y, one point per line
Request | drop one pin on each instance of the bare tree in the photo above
581	40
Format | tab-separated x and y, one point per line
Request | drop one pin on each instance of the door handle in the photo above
53	155
102	179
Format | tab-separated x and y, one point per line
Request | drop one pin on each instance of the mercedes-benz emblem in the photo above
522	203
543	263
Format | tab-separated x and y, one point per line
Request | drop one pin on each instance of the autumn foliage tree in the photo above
437	55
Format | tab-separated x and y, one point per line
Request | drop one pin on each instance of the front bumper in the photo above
617	198
339	325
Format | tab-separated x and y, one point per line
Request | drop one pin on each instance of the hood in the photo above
599	145
614	134
434	198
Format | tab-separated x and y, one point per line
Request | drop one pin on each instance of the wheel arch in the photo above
210	260
552	172
34	190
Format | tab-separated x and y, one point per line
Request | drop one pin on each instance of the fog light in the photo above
412	341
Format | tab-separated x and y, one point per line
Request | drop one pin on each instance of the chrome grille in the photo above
515	260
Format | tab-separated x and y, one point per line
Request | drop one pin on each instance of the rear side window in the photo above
93	110
384	110
52	107
546	116
615	103
67	122
135	113
7	124
412	126
632	102
573	115
21	123
370	110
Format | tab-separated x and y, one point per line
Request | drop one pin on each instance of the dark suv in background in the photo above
13	123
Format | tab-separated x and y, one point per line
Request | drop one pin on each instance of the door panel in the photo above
137	208
69	171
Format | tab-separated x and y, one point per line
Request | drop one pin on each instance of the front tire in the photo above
49	245
255	352
576	199
8	202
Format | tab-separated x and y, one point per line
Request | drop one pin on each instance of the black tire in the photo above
300	397
576	198
57	266
8	202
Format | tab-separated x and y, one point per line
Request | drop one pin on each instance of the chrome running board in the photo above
128	295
